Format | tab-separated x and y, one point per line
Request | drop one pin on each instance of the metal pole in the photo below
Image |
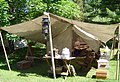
118	60
51	48
5	51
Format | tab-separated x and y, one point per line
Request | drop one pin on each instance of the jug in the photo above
65	53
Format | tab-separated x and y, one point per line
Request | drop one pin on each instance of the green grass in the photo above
112	53
38	73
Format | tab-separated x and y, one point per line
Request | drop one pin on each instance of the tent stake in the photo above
118	60
5	51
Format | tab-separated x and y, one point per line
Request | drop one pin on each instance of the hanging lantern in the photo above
45	27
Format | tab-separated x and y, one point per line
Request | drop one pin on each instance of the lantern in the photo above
45	27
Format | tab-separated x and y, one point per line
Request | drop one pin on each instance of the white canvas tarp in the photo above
62	31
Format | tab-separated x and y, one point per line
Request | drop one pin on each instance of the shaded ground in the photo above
39	67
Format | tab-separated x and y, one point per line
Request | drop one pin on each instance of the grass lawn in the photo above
38	73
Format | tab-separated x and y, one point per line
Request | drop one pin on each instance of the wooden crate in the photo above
23	64
101	74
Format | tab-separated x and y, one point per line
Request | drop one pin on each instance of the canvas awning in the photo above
62	31
102	32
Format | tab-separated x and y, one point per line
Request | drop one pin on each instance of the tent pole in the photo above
5	51
114	45
51	47
118	60
112	48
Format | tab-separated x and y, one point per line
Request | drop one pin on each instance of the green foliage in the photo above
102	11
18	54
4	15
40	45
80	4
29	9
101	19
24	10
66	8
35	8
50	1
110	13
17	11
12	37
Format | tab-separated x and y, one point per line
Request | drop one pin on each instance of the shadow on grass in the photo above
39	68
99	81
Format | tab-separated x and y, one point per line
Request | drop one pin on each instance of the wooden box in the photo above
23	64
103	63
101	74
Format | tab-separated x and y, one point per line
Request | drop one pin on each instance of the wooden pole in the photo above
114	45
118	60
5	51
112	48
51	48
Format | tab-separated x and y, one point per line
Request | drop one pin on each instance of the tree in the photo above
17	10
67	9
102	11
80	4
4	15
23	10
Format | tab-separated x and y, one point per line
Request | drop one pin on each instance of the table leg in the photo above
48	62
68	67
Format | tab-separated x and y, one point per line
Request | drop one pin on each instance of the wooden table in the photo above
66	63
